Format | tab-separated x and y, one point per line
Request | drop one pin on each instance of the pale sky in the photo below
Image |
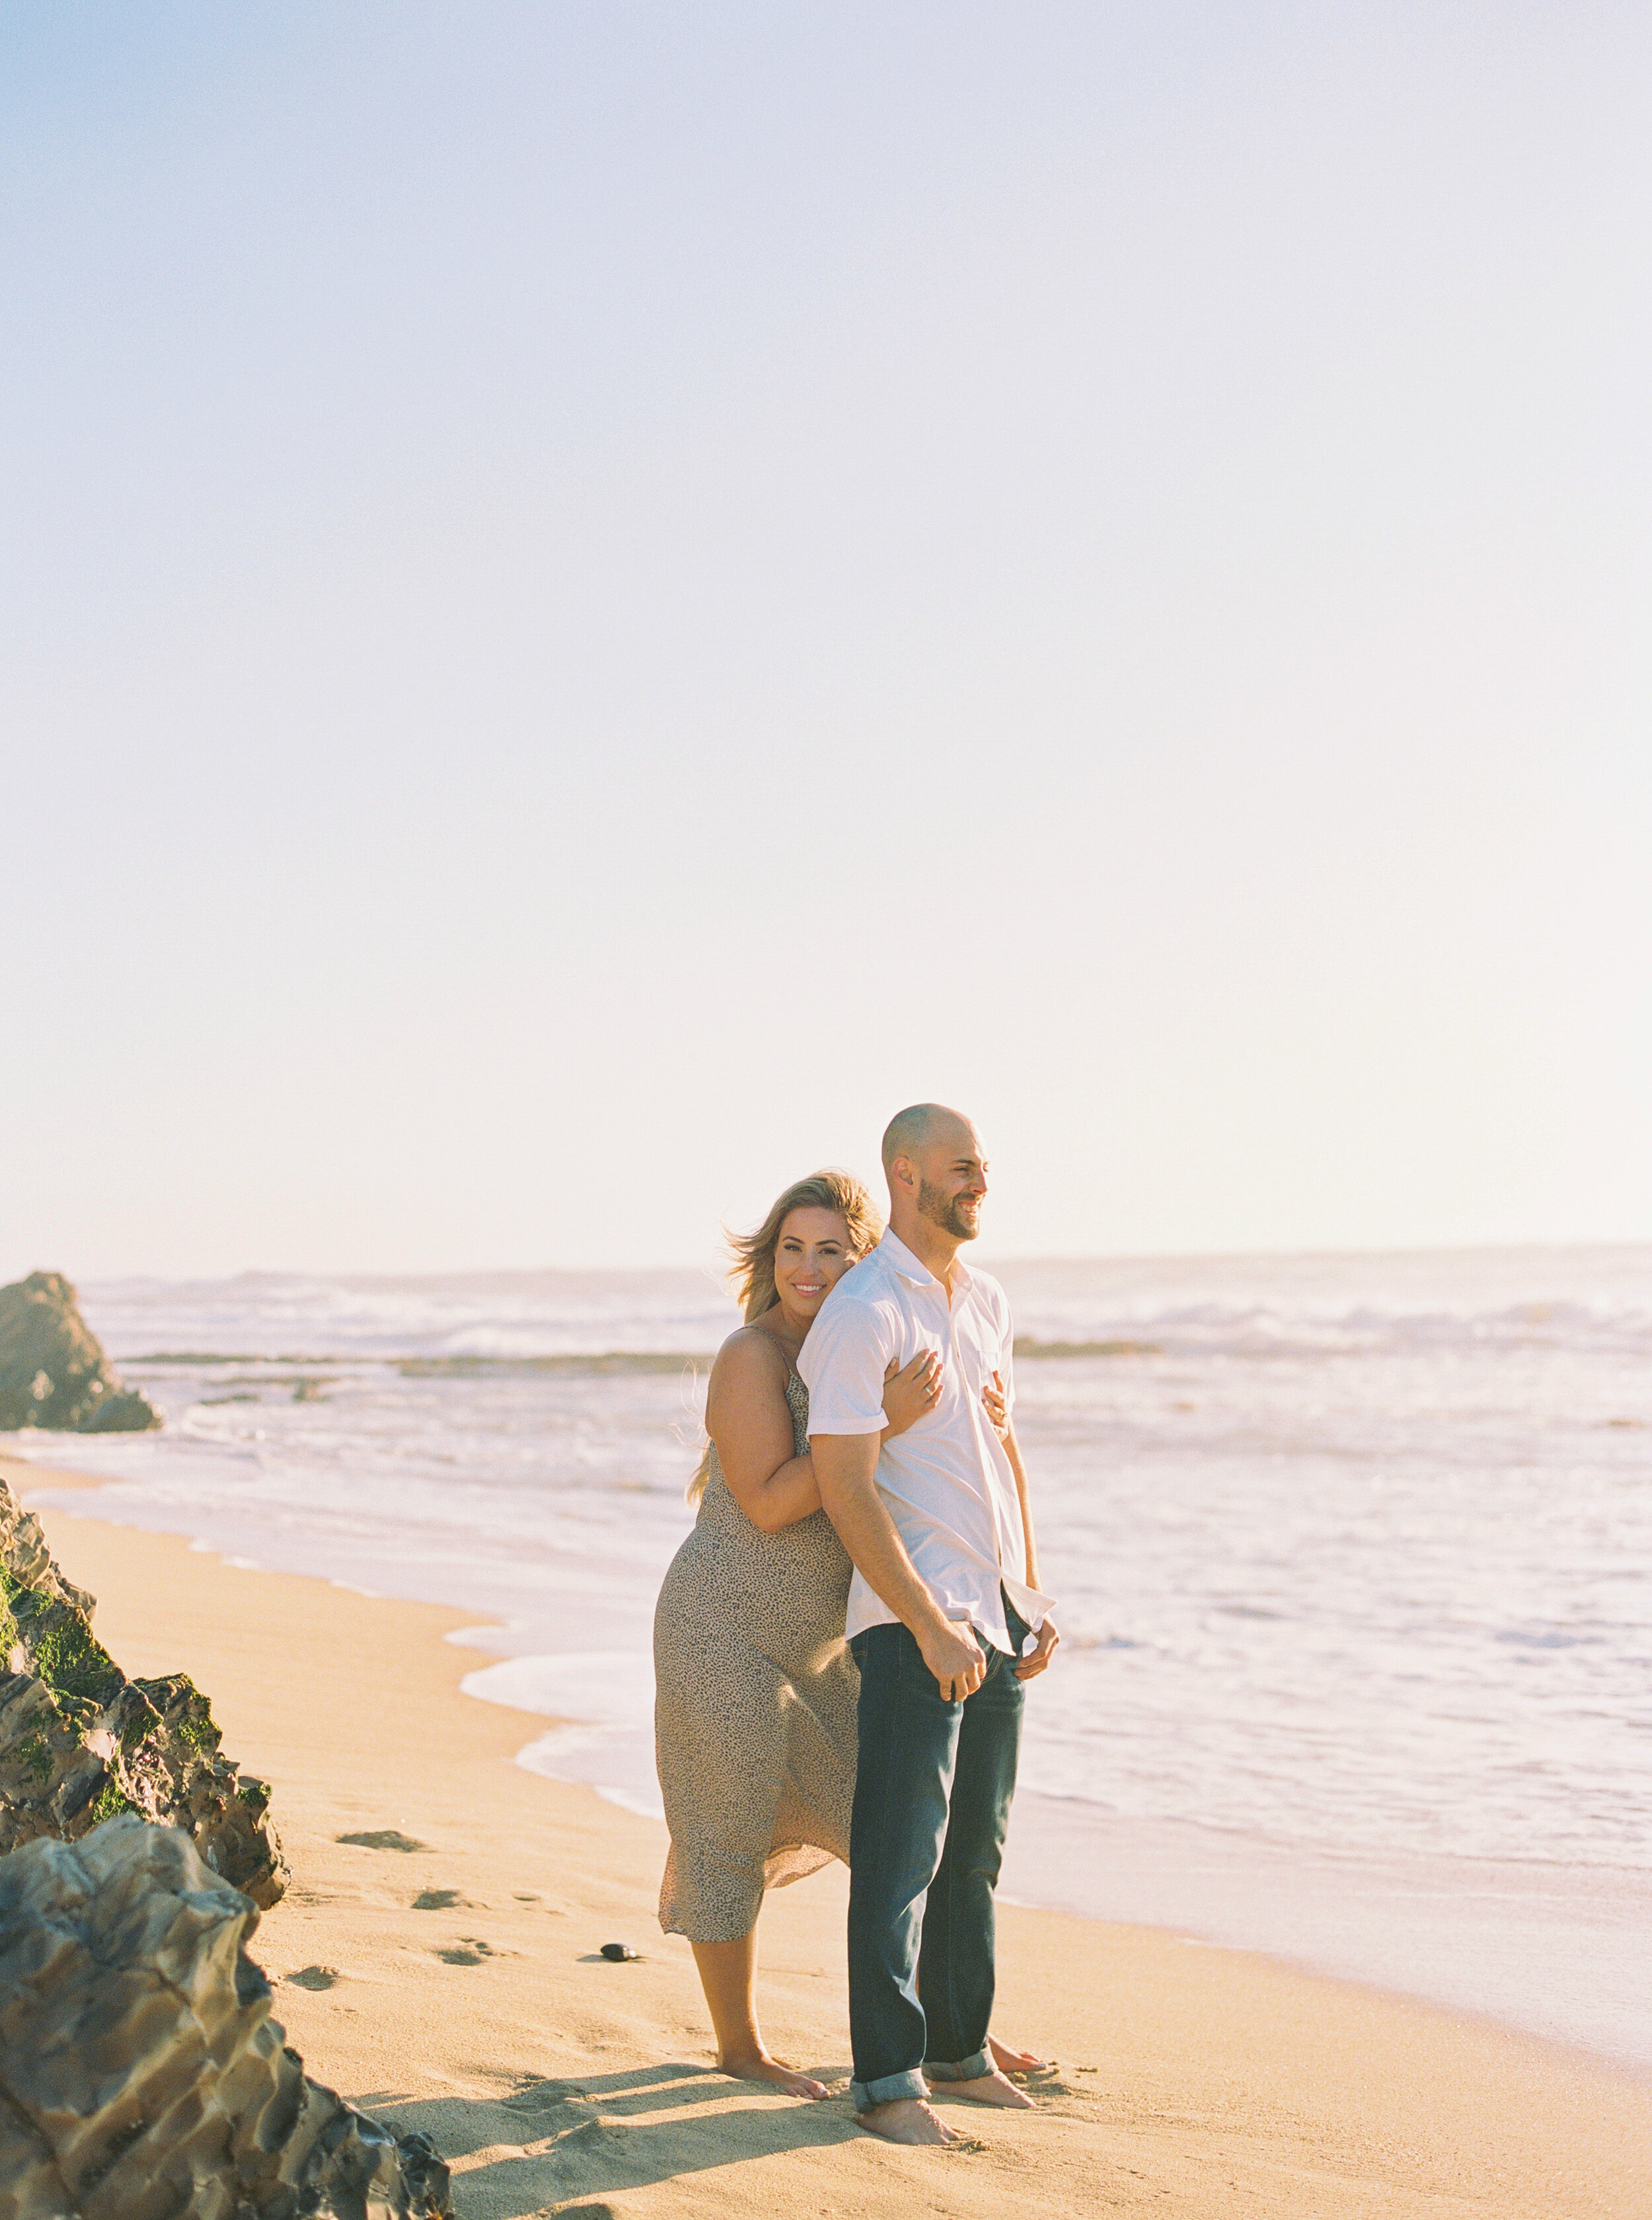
595	597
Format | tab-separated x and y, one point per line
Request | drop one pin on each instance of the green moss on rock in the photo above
35	1756
61	1649
80	1743
111	1803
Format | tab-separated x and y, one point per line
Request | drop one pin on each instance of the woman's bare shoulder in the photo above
748	1356
748	1381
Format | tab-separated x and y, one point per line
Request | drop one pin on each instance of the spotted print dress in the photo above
754	1708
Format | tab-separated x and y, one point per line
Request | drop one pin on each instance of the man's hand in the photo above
845	1471
955	1658
1047	1637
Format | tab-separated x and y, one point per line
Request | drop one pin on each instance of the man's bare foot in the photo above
1014	2061
909	2120
989	2089
759	2066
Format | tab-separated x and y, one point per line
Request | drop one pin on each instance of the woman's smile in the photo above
812	1253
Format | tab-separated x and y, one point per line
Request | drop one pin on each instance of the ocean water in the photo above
1353	1555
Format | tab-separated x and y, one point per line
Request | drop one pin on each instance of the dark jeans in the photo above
932	1807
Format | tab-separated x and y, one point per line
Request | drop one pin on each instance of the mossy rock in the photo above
80	1742
59	1643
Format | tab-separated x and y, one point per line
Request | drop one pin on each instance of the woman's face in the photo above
811	1256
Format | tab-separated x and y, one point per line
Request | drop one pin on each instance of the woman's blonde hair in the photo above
752	1271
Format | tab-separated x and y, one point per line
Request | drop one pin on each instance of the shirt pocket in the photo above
980	1354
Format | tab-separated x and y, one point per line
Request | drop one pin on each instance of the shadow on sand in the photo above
573	2142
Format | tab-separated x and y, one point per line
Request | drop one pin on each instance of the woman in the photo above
755	1690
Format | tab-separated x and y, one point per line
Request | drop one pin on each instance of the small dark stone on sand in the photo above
620	1951
382	1838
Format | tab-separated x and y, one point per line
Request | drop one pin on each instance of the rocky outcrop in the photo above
141	2076
26	1560
53	1371
80	1742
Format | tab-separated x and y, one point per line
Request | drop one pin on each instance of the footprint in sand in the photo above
538	2098
382	1838
470	1951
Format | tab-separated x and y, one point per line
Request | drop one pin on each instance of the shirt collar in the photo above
914	1271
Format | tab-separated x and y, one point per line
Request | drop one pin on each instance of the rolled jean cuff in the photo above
967	2069
888	2090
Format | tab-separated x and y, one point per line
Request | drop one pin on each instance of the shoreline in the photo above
1535	1947
1547	1950
458	1985
1481	1929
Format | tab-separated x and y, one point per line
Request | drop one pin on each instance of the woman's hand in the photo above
913	1394
997	1415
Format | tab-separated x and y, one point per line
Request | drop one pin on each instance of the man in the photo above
945	1621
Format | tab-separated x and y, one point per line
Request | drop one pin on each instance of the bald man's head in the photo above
910	1131
933	1161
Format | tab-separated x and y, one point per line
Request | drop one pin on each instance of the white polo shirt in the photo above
947	1481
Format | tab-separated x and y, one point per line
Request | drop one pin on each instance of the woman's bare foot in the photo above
728	1973
759	2066
989	2089
909	2120
1014	2061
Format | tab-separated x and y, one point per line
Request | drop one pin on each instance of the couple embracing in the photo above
862	1480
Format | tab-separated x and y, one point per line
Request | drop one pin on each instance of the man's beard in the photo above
945	1210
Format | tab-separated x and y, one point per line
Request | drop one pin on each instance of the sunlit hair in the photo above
753	1269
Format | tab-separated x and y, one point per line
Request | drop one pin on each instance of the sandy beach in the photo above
452	1980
